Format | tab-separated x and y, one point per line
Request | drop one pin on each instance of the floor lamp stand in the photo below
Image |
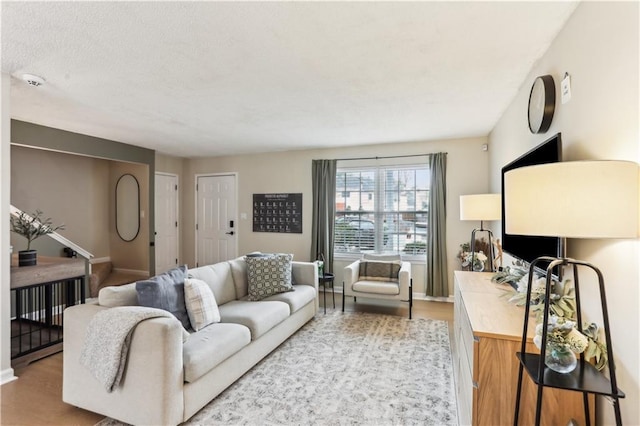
585	378
490	255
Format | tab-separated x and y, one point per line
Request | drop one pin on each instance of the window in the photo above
382	210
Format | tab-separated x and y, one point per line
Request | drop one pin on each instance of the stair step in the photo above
103	275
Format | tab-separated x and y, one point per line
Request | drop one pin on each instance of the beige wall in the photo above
61	141
79	191
599	49
169	164
131	255
467	173
70	189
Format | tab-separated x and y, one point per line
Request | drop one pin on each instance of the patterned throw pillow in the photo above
379	271
268	275
201	304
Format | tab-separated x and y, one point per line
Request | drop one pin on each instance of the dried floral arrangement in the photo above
562	312
464	255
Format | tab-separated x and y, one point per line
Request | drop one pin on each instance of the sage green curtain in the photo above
437	274
324	210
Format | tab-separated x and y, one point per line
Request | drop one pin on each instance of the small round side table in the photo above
324	280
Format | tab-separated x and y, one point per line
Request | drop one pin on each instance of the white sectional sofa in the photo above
167	378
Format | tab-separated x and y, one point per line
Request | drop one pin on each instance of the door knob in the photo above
229	233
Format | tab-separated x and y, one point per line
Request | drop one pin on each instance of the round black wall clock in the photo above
542	104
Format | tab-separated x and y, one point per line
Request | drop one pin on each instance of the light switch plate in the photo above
565	89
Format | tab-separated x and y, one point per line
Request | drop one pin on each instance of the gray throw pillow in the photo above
166	291
379	271
268	275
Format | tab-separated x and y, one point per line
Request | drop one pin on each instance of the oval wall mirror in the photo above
127	207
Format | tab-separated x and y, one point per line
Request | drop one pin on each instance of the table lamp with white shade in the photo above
482	207
575	199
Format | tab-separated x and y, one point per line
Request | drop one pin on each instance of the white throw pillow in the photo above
201	303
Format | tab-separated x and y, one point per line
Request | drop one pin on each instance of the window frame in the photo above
379	206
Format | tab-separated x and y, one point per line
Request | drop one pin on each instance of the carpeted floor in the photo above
345	368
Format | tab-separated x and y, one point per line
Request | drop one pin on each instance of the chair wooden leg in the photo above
342	296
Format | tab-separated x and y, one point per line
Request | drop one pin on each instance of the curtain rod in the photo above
390	156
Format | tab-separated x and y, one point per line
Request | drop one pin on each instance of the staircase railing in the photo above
14	211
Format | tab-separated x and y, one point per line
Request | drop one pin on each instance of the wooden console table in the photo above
487	335
40	294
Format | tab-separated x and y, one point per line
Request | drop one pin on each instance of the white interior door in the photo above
216	222
166	232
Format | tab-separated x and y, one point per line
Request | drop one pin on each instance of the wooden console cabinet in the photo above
487	335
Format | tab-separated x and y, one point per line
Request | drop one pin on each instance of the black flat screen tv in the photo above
526	247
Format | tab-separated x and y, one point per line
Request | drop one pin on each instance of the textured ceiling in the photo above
217	78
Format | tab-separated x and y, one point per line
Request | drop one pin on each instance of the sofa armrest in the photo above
351	273
305	273
151	388
404	279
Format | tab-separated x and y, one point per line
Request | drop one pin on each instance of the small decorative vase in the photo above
27	258
560	359
478	265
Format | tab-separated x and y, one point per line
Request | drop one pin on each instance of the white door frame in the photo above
177	211
195	218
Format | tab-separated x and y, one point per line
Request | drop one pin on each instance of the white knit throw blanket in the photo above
107	341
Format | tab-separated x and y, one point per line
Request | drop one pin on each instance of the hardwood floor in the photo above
36	397
421	308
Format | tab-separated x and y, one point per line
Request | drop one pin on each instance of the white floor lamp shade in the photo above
480	207
575	199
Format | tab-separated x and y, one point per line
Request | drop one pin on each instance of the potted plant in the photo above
31	227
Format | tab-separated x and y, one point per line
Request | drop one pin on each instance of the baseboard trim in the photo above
448	299
7	376
132	272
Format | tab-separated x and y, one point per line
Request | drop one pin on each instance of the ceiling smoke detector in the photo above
33	80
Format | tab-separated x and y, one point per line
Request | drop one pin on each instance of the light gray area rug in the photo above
345	369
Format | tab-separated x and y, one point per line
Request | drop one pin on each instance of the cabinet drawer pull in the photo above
474	384
476	339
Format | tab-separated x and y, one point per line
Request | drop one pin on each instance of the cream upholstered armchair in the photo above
379	277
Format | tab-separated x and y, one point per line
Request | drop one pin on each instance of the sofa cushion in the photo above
260	317
210	346
379	271
377	287
124	295
219	279
201	303
268	275
239	273
166	291
296	299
